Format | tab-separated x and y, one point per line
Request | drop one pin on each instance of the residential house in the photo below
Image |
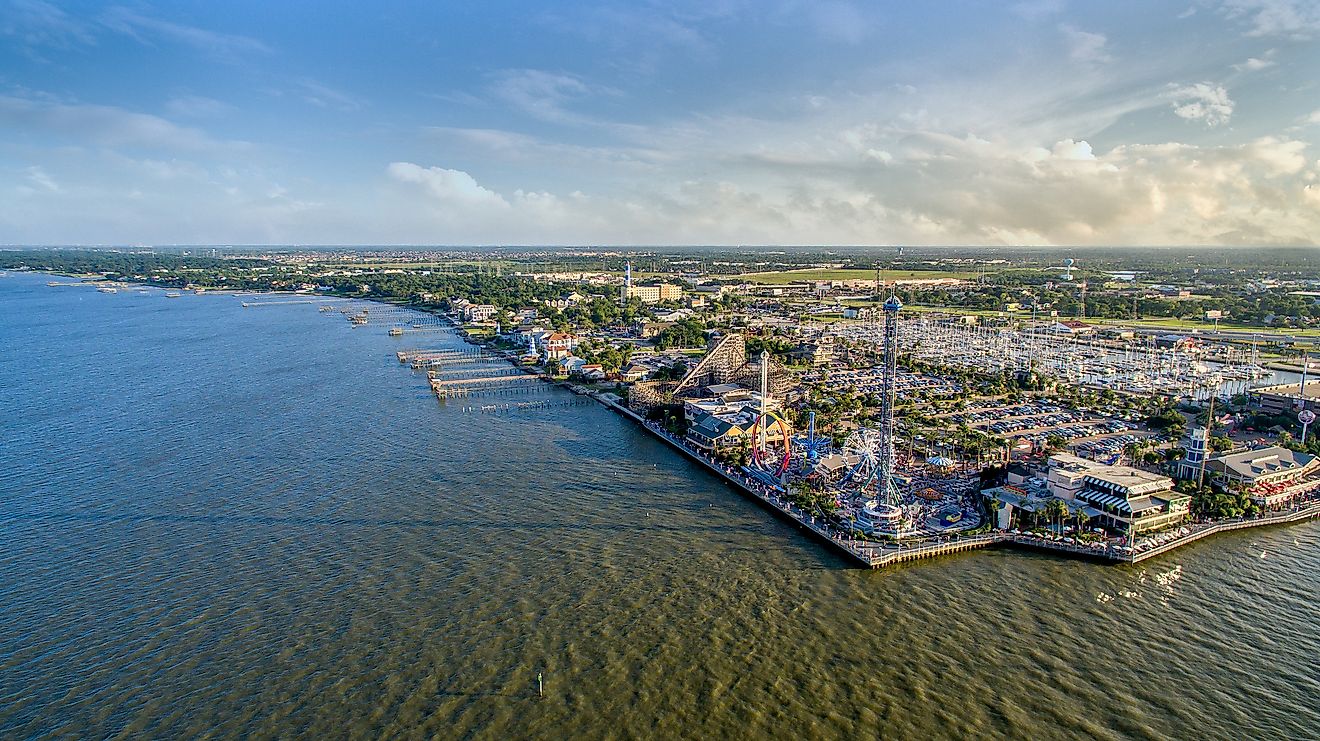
557	345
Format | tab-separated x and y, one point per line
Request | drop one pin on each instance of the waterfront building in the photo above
711	432
1272	476
634	372
1074	328
479	312
726	405
1286	398
1030	496
1124	497
558	345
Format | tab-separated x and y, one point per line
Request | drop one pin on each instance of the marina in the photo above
1139	366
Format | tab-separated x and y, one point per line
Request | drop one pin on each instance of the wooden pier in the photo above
445	388
254	304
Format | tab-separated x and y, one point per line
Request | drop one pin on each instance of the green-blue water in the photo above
229	522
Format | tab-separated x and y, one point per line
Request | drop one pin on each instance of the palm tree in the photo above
1056	510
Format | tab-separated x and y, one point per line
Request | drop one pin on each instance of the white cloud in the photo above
1086	47
542	95
449	188
34	23
38	177
1254	64
196	106
1073	150
102	125
324	96
938	190
1314	117
145	28
1298	19
1203	101
1279	156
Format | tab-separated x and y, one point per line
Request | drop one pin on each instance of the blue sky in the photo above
715	122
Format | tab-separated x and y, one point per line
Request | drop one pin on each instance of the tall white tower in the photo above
888	462
627	283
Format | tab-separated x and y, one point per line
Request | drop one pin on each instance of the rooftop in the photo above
1263	461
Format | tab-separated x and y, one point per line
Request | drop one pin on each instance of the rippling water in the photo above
255	523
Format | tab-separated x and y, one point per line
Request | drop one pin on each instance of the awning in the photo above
1109	500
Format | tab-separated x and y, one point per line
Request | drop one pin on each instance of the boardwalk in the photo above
876	555
869	554
1202	531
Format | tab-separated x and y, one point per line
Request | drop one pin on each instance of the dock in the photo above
254	304
445	388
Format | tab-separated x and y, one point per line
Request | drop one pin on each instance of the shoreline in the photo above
877	555
862	553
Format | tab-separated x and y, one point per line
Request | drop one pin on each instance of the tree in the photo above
553	367
683	333
1053	510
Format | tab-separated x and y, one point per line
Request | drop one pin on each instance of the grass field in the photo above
1185	325
1208	327
788	276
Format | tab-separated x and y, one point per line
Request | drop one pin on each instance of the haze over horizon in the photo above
707	123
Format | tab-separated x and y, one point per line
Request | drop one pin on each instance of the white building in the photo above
479	312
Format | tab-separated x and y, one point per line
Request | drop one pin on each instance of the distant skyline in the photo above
709	122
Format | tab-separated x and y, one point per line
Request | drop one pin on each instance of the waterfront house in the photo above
557	345
479	312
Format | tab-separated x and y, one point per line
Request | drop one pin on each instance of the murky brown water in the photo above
254	523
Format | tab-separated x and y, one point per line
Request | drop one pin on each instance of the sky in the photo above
720	122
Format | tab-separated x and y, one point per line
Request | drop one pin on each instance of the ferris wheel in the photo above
864	445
